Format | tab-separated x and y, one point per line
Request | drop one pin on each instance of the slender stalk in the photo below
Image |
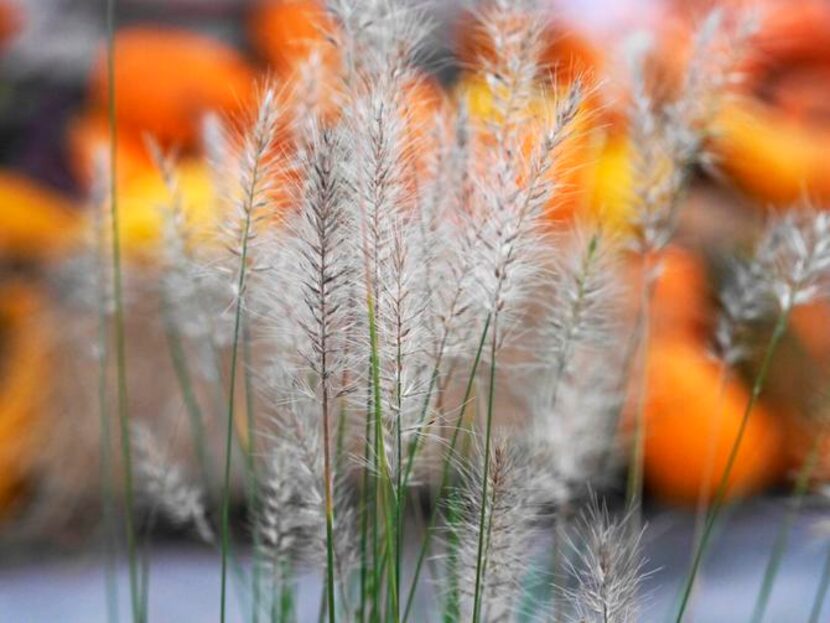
705	490
339	449
255	167
400	498
578	308
634	489
412	450
451	612
720	495
195	417
276	615
237	330
800	487
250	456
821	592
107	485
120	332
365	498
377	568
286	599
178	359
486	475
558	565
713	433
632	345
446	469
433	383
385	491
327	463
230	420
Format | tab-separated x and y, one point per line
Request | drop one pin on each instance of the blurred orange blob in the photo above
88	138
145	199
24	373
167	79
289	32
609	179
774	140
10	21
691	426
35	223
772	157
679	303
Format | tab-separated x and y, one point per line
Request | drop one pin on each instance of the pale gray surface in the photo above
185	579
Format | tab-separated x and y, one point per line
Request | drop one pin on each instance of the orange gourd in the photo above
689	420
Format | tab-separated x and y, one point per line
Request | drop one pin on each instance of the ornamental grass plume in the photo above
164	488
609	568
492	591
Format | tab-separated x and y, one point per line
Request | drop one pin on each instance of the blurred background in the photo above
179	60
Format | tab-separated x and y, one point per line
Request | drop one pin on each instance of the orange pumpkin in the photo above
167	79
691	426
35	223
